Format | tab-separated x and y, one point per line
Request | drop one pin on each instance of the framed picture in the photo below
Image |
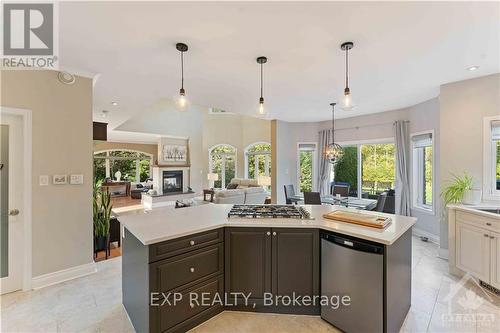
174	153
60	179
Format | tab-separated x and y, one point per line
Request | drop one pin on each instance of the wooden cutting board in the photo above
367	220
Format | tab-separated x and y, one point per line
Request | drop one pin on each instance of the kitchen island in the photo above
172	259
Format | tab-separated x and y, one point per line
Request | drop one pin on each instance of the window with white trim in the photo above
222	161
491	158
423	171
306	167
134	166
258	160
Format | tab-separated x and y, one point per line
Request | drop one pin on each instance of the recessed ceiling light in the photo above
472	68
114	103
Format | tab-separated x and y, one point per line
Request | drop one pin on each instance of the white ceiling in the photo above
403	52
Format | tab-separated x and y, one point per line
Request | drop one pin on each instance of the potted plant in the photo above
101	217
460	190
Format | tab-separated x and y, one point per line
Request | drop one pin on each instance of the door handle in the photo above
14	212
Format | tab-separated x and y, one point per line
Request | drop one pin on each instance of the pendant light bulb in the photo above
181	102
347	100
261	107
261	61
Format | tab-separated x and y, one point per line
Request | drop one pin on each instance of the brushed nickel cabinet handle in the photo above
488	223
486	235
191	305
191	269
492	237
268	233
274	233
191	242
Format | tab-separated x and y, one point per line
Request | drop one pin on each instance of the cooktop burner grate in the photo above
268	211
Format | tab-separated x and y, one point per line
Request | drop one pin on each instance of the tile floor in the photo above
93	304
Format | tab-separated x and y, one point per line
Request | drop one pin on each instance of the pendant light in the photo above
347	100
333	152
182	102
261	61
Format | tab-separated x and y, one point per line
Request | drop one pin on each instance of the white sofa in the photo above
247	192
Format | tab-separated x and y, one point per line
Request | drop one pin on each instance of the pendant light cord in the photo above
261	80
333	123
182	69
347	68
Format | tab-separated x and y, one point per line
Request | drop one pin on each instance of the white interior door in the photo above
11	198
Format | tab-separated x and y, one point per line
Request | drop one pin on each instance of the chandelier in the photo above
333	151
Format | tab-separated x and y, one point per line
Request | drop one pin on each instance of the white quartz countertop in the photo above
162	224
476	209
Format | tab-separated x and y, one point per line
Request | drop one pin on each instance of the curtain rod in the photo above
373	125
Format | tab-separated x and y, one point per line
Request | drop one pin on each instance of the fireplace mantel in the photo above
158	177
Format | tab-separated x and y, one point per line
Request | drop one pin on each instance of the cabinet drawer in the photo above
181	245
184	315
186	268
479	221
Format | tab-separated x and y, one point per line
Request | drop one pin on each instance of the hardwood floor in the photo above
115	252
119	202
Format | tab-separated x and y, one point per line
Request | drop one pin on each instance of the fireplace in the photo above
172	181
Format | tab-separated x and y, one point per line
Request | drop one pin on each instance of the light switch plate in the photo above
76	179
44	180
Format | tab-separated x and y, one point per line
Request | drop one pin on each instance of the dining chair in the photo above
312	198
343	190
381	202
289	193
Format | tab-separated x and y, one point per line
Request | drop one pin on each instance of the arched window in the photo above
258	160
134	166
222	161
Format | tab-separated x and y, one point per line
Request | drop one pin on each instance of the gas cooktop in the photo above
269	211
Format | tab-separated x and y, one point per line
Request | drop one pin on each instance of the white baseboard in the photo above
421	233
49	279
443	253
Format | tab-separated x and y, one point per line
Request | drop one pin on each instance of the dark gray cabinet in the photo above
280	261
248	262
295	256
191	265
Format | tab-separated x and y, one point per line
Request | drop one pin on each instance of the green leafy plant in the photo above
454	192
101	208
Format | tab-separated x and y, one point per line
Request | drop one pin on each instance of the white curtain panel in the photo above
402	139
324	165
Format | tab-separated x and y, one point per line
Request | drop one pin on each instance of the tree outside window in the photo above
258	160
222	161
133	166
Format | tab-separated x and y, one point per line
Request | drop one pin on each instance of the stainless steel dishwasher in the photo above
355	268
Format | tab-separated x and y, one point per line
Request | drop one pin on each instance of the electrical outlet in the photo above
76	179
44	180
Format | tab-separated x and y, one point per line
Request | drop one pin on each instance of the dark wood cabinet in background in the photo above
99	131
281	261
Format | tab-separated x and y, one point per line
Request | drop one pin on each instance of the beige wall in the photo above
146	148
62	144
463	105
